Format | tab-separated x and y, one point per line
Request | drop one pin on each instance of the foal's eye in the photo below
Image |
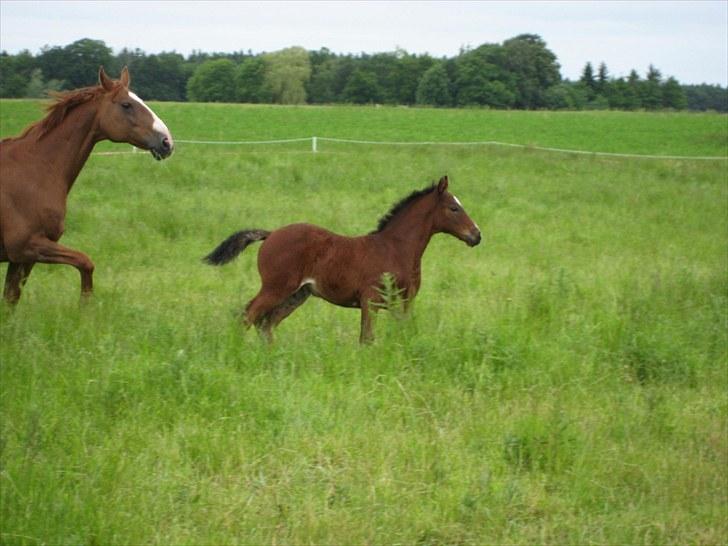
454	208
126	105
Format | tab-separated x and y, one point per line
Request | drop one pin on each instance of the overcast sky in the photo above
684	39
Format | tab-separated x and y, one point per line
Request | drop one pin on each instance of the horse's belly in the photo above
334	294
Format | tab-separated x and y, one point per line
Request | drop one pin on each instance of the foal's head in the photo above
123	117
450	217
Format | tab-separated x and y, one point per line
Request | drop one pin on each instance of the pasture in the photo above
562	383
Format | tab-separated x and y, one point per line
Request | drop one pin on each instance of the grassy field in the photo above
564	382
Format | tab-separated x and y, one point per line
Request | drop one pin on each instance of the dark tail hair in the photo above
229	249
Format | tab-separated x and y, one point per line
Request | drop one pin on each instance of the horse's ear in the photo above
104	81
125	79
442	184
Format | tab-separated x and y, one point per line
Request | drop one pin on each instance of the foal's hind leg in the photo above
258	310
15	279
274	317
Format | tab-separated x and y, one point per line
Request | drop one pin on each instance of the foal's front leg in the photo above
366	334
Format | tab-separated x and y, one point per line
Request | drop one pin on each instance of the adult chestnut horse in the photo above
38	169
299	260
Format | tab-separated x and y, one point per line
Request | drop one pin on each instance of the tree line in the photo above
520	73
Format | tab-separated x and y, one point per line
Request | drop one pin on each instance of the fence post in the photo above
313	144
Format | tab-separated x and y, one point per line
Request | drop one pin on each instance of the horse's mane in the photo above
63	103
401	205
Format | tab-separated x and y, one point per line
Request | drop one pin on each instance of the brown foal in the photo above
300	260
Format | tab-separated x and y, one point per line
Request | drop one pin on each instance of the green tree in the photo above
533	68
623	95
362	88
408	72
633	94
673	95
171	76
588	82
706	97
650	90
250	81
36	86
158	77
565	96
497	94
213	81
602	80
81	63
329	76
54	62
481	79
286	74
383	68
434	87
15	74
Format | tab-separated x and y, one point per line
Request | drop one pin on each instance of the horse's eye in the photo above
126	105
454	208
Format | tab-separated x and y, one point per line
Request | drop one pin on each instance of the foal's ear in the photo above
442	184
104	81
125	79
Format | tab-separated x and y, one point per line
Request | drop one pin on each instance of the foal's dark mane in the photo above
63	103
401	205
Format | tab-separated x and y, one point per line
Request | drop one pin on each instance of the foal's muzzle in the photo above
473	238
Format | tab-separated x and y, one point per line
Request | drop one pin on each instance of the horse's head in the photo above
123	117
450	217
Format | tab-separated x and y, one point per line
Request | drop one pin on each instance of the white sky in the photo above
684	39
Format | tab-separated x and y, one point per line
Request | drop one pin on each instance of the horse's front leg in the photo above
43	250
409	301
15	279
366	334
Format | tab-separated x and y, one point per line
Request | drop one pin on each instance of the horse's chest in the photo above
53	221
36	210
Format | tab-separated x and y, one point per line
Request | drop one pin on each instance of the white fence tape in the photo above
285	141
315	140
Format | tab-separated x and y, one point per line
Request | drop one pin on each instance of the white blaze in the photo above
459	203
158	125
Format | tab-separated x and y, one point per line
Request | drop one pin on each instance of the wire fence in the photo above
315	140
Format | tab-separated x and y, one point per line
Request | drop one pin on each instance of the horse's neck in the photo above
410	231
66	148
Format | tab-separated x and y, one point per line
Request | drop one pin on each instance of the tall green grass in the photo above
562	383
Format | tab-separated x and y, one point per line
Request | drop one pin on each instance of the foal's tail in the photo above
229	249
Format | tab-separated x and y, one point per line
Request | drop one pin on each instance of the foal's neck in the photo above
412	229
67	147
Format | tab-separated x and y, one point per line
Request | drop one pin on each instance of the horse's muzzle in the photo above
163	148
473	238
